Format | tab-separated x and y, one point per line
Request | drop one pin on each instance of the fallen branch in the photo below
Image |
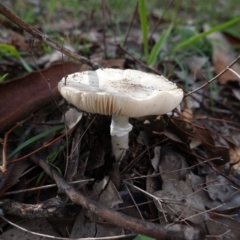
112	216
48	208
43	37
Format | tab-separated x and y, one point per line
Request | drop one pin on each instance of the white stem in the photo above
120	128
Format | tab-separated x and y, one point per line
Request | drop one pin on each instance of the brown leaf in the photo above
172	165
222	57
25	95
18	41
35	225
220	225
173	192
13	174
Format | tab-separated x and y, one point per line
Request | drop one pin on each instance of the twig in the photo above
103	8
131	24
110	215
43	37
170	3
40	148
62	238
136	206
46	187
51	207
138	61
3	168
214	78
234	72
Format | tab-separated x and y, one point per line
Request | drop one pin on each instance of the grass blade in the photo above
12	51
202	35
2	78
34	139
158	46
144	26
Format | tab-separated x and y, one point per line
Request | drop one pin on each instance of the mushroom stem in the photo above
119	130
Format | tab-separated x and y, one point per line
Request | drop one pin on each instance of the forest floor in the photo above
180	176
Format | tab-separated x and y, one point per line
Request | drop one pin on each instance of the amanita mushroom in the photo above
122	94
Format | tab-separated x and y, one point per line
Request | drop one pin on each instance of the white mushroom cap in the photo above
128	92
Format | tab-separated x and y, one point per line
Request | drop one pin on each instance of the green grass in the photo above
9	50
3	77
34	139
90	11
184	43
142	237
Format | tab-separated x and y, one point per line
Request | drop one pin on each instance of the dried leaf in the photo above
14	173
23	96
142	138
72	117
156	159
83	228
110	196
172	165
182	201
222	56
36	225
219	187
224	226
190	233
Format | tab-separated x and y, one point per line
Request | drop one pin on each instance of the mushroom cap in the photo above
128	92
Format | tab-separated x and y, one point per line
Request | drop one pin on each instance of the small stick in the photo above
131	24
214	78
46	187
138	61
43	37
3	168
110	215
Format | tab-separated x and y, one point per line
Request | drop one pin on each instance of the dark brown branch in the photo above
43	37
113	217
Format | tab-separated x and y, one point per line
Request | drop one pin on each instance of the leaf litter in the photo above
184	168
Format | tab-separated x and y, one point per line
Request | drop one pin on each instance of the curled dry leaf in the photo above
72	117
156	159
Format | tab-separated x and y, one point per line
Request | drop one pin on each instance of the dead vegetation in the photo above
179	179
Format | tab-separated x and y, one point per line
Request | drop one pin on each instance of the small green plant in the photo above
142	237
34	139
3	77
7	49
46	48
51	159
151	57
202	35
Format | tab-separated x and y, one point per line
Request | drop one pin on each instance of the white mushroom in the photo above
122	94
